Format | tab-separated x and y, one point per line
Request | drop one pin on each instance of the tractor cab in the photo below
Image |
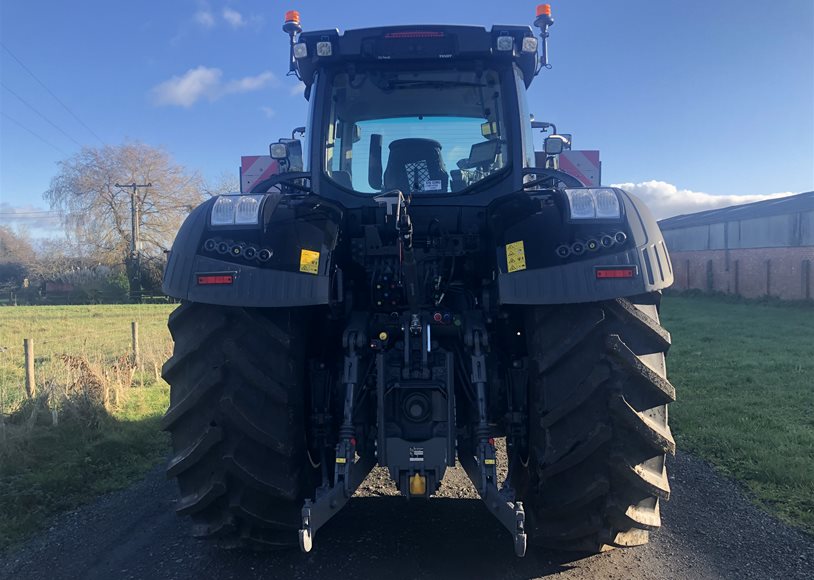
429	110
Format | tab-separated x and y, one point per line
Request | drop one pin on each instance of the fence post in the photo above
30	383
807	279
134	335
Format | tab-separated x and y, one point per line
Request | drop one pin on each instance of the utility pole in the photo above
135	246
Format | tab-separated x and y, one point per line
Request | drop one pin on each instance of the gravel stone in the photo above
710	530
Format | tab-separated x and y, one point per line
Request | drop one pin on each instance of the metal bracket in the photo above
328	502
483	470
509	512
349	473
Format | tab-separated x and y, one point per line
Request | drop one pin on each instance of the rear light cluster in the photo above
602	242
241	250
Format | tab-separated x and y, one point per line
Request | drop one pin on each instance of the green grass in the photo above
99	333
744	373
58	468
46	469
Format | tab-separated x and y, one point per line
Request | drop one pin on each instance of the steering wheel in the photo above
550	174
284	178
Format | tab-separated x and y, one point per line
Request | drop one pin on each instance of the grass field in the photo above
744	375
104	439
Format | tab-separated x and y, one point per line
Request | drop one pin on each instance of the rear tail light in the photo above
215	279
615	272
415	34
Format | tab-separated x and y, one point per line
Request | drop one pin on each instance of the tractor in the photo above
405	286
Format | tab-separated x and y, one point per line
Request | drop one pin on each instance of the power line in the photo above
30	213
47	120
50	92
43	139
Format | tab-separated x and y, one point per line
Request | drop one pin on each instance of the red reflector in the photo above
415	34
619	272
216	279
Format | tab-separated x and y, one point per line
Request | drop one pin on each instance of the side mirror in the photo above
555	144
295	161
374	168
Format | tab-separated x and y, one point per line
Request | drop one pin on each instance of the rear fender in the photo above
538	227
299	233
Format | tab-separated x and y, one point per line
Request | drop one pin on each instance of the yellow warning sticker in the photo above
309	262
515	256
489	461
341	460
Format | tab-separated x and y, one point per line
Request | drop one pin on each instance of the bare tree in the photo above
226	182
15	246
55	257
97	213
16	258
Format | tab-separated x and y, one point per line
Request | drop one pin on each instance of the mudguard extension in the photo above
576	280
252	286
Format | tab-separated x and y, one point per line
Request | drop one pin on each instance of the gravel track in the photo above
710	531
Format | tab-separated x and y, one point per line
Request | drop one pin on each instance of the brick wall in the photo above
785	273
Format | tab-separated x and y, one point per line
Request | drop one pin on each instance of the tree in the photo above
15	246
16	258
226	182
98	214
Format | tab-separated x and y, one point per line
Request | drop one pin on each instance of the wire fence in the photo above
97	351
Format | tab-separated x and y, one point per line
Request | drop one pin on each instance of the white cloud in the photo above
186	89
297	89
204	18
666	200
268	112
233	17
247	84
205	83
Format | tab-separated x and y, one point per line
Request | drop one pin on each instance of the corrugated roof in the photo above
781	206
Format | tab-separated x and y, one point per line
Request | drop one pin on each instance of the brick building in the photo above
754	250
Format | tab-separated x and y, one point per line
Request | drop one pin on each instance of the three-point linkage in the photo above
350	471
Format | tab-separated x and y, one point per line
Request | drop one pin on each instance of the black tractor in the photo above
407	287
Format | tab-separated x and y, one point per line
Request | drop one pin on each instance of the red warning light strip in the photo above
205	279
415	34
603	273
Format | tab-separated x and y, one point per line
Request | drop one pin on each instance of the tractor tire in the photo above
598	430
238	423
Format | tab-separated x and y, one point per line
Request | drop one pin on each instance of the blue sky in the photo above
692	103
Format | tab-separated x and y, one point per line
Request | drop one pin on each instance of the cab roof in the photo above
395	45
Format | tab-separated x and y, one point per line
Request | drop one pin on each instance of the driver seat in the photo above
416	165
